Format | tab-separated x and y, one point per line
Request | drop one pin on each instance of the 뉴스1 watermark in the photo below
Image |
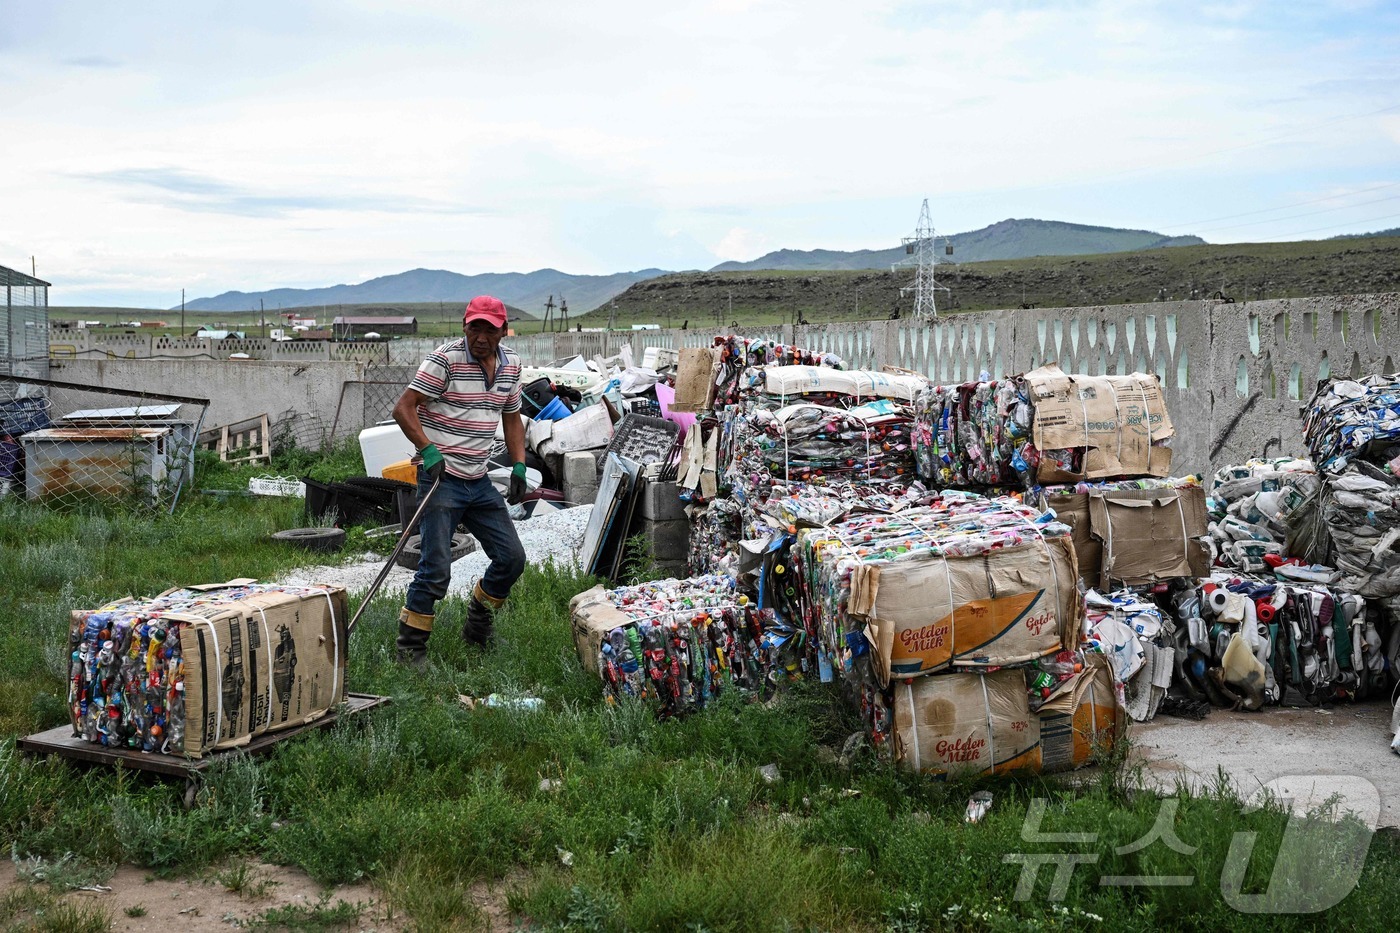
1318	861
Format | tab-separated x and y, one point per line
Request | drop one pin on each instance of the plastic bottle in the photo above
528	704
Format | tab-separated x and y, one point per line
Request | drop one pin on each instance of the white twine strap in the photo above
335	646
219	675
1185	542
914	726
1117	420
991	733
267	643
1093	713
1054	571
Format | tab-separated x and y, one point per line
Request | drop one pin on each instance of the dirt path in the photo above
139	902
1254	748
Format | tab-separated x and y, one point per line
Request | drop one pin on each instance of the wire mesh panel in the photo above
66	444
24	325
367	402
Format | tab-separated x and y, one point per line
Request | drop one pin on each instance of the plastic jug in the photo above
384	445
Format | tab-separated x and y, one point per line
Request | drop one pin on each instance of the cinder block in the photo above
580	469
669	541
678	569
661	503
580	495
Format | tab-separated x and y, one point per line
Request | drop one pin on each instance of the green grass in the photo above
668	824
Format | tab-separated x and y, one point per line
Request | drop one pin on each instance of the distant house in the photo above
347	326
211	334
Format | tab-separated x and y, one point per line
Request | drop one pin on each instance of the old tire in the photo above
462	545
313	539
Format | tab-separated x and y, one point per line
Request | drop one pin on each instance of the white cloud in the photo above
489	137
743	245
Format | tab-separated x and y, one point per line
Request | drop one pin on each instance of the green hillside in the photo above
1244	271
1006	239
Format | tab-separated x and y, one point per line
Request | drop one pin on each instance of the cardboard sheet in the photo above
1082	716
591	616
1149	535
965	724
260	664
695	379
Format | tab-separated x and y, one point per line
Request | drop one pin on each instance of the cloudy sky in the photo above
154	146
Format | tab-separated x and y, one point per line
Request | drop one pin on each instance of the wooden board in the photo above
61	741
251	438
615	539
612	487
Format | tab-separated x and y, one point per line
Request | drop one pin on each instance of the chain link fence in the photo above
67	444
367	402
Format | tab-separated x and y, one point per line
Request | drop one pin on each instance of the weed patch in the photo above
668	824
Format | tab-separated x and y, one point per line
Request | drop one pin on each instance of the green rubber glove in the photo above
433	464
517	484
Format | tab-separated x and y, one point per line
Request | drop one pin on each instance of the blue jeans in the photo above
476	504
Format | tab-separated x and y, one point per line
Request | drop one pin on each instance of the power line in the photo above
1299	233
1178	163
1269	210
1344	207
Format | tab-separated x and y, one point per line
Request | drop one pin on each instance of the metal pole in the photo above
182	312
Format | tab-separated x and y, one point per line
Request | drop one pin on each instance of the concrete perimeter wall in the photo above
236	390
1236	375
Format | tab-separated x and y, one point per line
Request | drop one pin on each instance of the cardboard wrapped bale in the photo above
1136	536
966	724
678	643
965	582
1042	428
203	668
989	610
1119	422
1082	716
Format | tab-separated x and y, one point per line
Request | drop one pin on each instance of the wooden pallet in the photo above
60	741
247	441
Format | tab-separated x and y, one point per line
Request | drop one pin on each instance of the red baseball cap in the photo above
485	308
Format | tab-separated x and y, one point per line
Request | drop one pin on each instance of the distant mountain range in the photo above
1008	239
527	291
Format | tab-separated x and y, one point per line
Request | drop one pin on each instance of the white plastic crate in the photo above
277	486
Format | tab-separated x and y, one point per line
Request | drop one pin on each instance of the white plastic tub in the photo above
382	445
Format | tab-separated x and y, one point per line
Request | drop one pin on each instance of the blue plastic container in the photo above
554	411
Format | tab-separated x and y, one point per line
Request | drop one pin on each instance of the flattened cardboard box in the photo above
591	616
1082	716
1149	535
925	614
963	724
1073	509
695	379
260	664
1115	418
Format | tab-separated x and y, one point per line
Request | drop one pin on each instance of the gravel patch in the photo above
555	536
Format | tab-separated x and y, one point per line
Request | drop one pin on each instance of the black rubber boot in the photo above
412	642
479	629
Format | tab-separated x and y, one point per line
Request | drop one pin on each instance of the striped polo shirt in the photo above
464	412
